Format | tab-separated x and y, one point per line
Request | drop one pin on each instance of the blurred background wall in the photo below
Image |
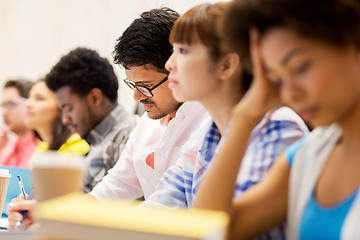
34	34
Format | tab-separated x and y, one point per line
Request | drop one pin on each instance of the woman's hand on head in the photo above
262	96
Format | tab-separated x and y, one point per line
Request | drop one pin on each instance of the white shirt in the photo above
135	174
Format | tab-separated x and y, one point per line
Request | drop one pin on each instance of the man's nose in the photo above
138	96
65	118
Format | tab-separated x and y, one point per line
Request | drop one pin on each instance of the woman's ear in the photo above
230	66
95	97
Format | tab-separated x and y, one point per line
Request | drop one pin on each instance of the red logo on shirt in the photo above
150	160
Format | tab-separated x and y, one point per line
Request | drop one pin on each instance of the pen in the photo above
23	213
21	187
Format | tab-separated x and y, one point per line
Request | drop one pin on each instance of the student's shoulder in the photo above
314	143
285	117
285	114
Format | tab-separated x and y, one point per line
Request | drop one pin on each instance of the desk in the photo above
77	218
15	235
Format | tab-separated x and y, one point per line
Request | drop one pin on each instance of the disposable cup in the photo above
56	174
4	183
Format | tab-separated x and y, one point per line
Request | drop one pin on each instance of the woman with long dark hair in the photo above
44	117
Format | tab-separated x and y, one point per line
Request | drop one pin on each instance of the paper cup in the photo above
4	183
56	174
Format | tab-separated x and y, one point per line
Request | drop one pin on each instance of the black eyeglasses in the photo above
144	90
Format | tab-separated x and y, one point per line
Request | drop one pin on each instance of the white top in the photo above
150	150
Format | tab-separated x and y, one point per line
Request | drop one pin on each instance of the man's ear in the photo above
230	66
95	97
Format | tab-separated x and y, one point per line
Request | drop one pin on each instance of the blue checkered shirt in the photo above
269	139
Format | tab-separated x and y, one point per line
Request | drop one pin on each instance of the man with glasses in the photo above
16	150
157	141
143	89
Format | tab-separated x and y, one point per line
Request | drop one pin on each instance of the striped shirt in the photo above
269	139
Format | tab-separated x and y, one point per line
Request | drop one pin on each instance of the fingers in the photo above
25	205
15	209
19	198
256	60
26	224
260	75
13	218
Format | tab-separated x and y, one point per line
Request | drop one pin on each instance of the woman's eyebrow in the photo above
288	56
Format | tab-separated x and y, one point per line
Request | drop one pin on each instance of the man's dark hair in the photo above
82	70
23	86
146	40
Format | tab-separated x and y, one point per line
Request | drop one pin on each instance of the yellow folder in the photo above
77	217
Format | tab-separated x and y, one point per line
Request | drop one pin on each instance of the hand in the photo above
14	211
262	95
19	198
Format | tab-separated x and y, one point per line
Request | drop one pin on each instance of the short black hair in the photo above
83	69
334	22
146	40
23	86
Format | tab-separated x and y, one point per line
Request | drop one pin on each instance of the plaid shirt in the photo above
270	138
107	141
